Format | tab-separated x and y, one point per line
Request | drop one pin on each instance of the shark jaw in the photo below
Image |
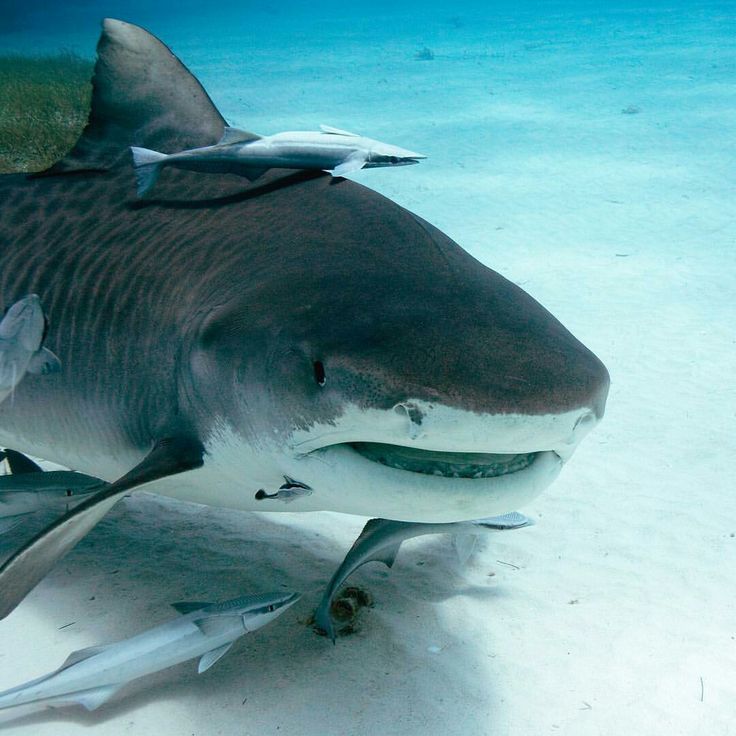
419	462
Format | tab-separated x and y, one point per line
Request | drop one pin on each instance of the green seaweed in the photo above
44	103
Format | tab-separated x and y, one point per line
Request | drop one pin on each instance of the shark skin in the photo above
222	336
90	677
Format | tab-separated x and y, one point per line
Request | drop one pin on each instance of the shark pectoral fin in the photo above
93	699
464	544
337	131
20	463
211	657
353	162
185	607
81	654
252	174
43	362
236	135
27	567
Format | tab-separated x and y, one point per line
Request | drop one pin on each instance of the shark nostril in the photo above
585	421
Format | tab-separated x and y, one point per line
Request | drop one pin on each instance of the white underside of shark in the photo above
343	479
346	480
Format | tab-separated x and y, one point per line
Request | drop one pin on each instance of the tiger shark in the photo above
223	335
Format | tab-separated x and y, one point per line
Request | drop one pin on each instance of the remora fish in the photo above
288	491
90	677
329	335
381	539
28	489
22	331
249	155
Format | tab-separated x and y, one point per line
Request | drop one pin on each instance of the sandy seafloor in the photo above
616	613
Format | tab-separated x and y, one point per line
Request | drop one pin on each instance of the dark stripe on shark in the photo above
126	290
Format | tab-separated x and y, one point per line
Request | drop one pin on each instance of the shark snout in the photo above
581	426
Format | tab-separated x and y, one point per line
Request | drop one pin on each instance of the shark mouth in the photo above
445	464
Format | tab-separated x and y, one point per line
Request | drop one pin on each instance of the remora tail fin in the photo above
147	165
142	95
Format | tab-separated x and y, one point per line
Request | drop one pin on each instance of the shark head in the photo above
303	327
395	375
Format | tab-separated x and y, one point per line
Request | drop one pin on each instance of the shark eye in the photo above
319	373
271	608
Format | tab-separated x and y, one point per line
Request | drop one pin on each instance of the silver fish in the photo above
288	491
381	539
21	334
90	677
28	489
240	152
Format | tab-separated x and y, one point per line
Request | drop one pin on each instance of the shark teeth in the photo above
445	464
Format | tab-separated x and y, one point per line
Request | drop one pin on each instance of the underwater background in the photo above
586	152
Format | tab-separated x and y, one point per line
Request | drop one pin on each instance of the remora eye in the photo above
319	373
394	159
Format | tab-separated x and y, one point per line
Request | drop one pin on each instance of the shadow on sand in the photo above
151	551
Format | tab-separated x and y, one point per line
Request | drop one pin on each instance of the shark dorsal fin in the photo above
142	95
336	131
236	135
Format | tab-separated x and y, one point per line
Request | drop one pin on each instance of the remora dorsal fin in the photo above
337	131
142	95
